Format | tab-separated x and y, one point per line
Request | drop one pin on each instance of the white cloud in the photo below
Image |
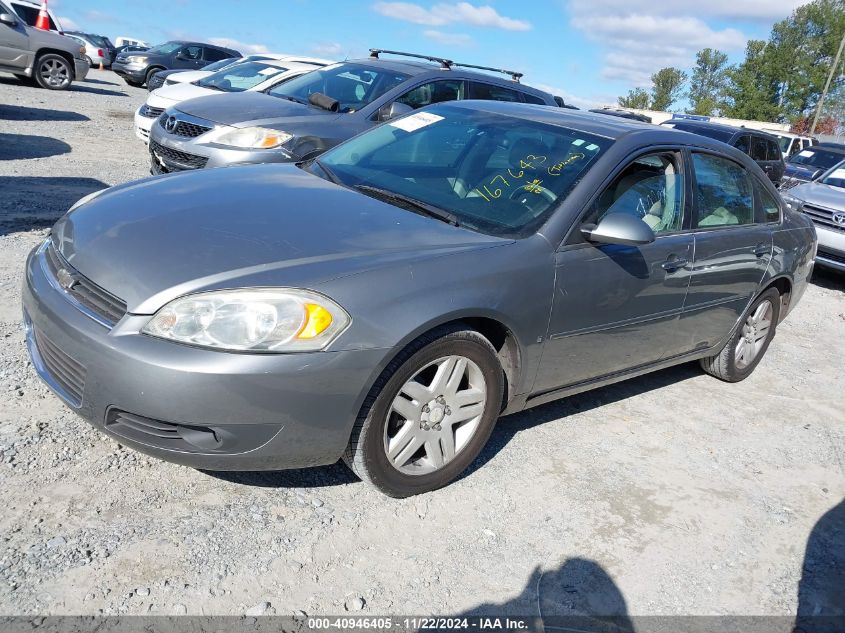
330	49
585	103
68	24
756	10
448	39
641	38
99	16
243	47
442	14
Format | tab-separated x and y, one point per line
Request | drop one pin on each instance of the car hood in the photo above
185	76
801	172
166	96
820	194
153	240
249	108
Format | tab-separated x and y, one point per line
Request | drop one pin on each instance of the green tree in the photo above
637	99
667	87
707	85
753	86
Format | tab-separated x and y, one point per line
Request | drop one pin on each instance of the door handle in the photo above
761	250
674	263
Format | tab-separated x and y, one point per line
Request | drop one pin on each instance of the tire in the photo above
53	72
740	355
434	427
150	73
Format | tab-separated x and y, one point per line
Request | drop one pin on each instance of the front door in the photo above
615	306
14	43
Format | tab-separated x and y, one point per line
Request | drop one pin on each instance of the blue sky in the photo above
588	51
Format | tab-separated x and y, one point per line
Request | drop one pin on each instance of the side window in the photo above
758	148
532	99
724	192
770	211
651	189
744	144
26	13
192	52
490	92
433	92
215	55
774	150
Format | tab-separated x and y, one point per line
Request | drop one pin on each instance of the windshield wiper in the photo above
418	206
329	173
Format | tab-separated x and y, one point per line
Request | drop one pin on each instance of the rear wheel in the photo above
745	349
429	414
53	72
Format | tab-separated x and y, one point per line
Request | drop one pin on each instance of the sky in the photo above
587	51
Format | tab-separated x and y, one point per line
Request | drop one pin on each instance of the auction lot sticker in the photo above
416	121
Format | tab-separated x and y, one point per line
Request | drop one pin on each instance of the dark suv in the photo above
137	67
763	148
305	116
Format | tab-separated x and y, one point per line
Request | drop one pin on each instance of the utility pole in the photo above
827	85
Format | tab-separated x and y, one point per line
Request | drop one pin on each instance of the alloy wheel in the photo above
54	72
435	415
755	330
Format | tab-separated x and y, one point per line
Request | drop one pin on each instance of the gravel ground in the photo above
669	494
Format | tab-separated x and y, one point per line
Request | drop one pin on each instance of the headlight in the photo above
85	199
135	59
253	138
792	203
258	320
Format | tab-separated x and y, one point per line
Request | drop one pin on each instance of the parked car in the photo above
386	301
177	76
791	144
252	76
137	68
28	10
823	201
809	164
302	117
625	114
122	41
50	59
131	48
762	147
98	49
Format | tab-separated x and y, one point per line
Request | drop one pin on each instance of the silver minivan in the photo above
50	59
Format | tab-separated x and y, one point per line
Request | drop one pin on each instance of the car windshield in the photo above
223	63
352	85
164	49
498	174
836	177
816	158
240	77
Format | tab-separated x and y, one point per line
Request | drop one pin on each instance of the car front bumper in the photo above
172	153
143	125
130	71
831	253
80	68
201	408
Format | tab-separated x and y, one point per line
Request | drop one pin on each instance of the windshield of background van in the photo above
352	85
497	174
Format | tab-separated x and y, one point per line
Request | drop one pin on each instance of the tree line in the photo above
780	79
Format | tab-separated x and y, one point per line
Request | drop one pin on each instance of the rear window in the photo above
759	148
719	135
529	98
491	92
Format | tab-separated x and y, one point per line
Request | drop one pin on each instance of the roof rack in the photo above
446	64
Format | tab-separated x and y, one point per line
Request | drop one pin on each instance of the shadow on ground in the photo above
36	202
99	81
828	278
23	146
76	87
21	113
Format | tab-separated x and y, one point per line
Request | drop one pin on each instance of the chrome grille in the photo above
108	308
175	159
824	217
65	372
189	130
150	112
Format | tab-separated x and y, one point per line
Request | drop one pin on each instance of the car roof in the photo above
195	43
719	126
837	148
415	68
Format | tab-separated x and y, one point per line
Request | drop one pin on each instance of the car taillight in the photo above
100	52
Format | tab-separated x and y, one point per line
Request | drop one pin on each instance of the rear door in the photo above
15	51
733	248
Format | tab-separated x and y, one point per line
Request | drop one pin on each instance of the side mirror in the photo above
393	110
619	228
8	18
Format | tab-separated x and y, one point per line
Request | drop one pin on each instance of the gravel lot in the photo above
670	494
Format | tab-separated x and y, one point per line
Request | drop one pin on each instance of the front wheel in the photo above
53	72
429	414
745	349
